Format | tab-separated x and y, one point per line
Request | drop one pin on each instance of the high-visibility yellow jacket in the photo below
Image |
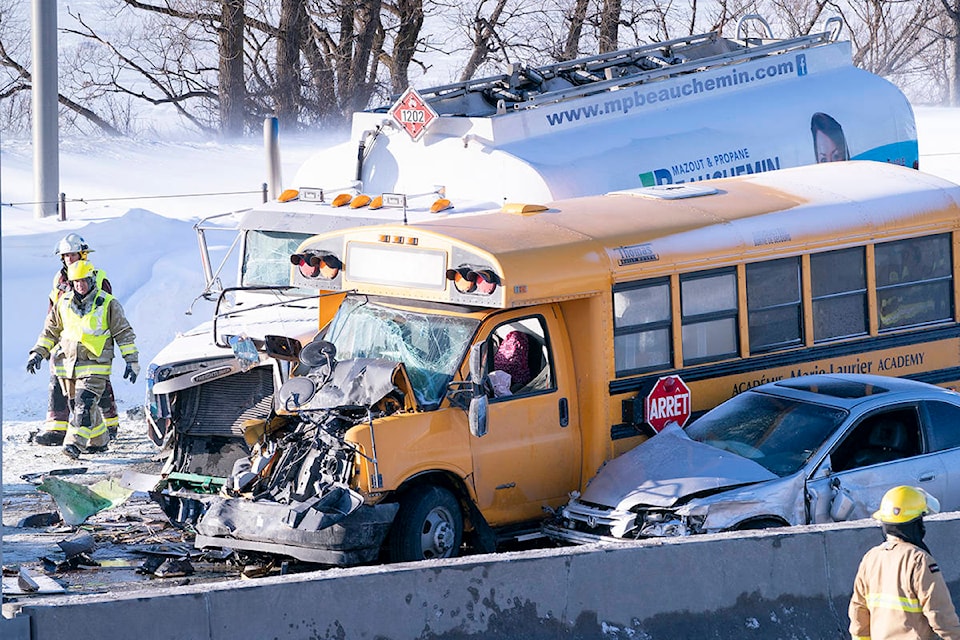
899	594
79	335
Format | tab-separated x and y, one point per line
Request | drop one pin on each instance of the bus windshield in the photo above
431	347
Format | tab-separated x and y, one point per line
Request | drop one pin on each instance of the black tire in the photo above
429	525
759	523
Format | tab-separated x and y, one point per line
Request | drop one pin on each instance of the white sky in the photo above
148	246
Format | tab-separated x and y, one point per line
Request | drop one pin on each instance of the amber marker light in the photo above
341	200
361	200
441	205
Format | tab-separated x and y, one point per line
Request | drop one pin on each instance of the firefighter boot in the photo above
50	438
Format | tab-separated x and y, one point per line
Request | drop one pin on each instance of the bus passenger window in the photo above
914	281
774	310
708	302
839	283
641	326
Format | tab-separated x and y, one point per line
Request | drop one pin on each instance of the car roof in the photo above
848	390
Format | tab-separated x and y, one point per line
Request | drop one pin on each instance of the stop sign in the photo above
668	401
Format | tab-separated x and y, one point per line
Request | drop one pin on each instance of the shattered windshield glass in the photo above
266	257
778	433
430	346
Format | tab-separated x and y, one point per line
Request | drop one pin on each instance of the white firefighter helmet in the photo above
73	243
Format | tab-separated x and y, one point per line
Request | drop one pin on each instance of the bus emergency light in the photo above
467	280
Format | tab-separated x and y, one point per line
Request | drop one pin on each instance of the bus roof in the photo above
579	246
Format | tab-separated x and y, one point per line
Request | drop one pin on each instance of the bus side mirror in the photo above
478	400
478	415
476	362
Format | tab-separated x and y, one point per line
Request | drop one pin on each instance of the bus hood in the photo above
666	468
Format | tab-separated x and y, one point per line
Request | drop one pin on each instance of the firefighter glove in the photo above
33	364
131	372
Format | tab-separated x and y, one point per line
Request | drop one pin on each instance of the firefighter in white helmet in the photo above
899	592
79	335
70	248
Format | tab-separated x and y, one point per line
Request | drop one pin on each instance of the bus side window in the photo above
641	326
520	361
839	287
914	281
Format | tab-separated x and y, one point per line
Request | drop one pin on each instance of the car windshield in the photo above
266	257
430	346
778	433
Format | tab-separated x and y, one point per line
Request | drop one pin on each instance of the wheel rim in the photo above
437	535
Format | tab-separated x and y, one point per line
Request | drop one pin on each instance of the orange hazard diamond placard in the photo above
412	113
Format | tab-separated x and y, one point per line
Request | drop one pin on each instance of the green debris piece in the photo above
77	502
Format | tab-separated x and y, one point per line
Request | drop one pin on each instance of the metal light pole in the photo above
46	160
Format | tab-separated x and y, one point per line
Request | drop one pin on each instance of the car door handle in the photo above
928	476
564	412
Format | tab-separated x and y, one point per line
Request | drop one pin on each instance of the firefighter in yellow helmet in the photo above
79	335
899	592
71	248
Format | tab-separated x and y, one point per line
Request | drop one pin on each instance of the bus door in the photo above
530	455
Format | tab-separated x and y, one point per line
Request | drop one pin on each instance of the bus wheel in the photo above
428	525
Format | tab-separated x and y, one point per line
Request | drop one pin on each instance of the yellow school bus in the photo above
537	342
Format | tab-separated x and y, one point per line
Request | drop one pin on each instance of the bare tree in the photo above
610	25
952	38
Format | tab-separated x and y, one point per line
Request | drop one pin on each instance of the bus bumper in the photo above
297	530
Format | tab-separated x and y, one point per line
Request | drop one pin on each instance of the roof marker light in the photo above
341	200
358	201
522	209
287	195
440	205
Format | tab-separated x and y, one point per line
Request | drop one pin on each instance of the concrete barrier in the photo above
783	583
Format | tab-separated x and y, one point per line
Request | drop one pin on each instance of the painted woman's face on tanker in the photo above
827	149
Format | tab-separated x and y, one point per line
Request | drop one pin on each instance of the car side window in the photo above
880	437
519	359
943	425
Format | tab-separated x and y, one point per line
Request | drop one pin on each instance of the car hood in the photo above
666	468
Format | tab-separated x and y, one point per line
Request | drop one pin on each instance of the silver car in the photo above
813	449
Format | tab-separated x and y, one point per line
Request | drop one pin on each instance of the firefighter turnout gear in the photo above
58	407
899	593
79	336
